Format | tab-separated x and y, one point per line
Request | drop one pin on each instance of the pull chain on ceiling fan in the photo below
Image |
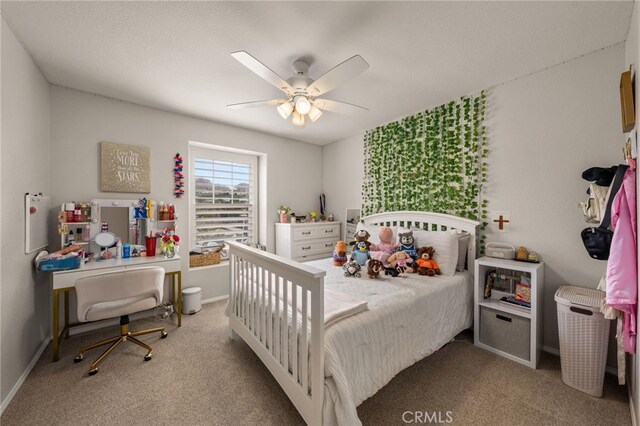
301	92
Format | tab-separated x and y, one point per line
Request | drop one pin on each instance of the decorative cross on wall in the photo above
501	221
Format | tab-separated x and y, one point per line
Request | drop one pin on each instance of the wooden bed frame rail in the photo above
280	332
289	339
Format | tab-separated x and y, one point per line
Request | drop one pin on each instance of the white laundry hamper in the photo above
584	333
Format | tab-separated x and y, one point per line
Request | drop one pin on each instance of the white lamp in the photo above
302	104
314	113
298	119
285	109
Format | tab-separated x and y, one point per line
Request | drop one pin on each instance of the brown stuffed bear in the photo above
425	265
361	236
374	267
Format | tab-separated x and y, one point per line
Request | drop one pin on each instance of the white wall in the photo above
544	130
25	168
632	57
80	121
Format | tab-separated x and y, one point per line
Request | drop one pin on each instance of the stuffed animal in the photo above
374	267
340	254
360	253
407	244
361	236
351	269
425	265
385	248
401	261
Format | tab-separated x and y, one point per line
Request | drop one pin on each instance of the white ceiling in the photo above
175	55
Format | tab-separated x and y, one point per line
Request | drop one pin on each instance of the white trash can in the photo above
191	300
584	333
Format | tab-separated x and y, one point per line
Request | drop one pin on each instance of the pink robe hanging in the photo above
622	268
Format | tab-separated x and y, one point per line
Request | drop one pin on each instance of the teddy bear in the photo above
361	236
407	244
385	248
351	269
425	265
374	267
340	253
401	263
360	253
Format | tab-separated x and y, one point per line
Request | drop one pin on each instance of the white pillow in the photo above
374	232
445	244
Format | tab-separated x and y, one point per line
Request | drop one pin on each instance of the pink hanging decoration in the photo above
178	177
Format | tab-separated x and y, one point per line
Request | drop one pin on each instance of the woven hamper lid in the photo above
580	296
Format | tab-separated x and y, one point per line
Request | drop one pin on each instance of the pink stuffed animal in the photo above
385	248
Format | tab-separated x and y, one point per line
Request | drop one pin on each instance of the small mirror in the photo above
105	239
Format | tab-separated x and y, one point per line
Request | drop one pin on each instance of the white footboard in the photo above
270	308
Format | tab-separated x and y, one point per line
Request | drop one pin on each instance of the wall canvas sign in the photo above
125	168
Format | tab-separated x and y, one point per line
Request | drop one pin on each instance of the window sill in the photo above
218	265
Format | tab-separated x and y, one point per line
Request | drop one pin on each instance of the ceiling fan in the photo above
301	92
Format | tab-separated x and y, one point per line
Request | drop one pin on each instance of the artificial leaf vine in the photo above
435	161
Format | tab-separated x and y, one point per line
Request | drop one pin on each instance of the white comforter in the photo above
407	319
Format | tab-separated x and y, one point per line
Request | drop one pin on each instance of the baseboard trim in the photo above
556	351
215	299
24	375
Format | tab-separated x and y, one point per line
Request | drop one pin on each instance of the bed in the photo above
277	306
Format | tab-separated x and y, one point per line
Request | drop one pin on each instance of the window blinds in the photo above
224	188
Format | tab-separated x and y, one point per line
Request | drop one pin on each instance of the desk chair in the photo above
116	294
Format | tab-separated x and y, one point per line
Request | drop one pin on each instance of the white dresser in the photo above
307	241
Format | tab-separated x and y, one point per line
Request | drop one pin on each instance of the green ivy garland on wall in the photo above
433	161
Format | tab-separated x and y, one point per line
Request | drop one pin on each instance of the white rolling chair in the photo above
118	294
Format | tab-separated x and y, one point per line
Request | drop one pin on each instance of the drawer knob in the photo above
328	231
306	233
306	248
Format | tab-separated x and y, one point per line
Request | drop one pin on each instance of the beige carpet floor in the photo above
199	377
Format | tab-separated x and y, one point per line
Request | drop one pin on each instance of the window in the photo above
224	196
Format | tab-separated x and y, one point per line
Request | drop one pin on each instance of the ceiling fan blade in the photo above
338	75
243	105
338	107
263	71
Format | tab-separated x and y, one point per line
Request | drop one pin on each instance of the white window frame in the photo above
217	153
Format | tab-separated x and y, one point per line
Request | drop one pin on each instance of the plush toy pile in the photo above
394	259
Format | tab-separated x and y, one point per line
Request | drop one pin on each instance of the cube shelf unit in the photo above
512	332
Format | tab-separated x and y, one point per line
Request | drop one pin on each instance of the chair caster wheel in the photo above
78	358
148	356
93	372
164	335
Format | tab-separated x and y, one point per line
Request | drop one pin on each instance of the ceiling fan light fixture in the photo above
298	119
302	104
314	113
285	109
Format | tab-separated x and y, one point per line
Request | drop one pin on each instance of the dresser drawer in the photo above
301	234
313	232
305	247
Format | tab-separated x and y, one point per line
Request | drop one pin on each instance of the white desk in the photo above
65	282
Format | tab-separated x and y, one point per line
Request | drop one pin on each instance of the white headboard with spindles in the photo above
429	222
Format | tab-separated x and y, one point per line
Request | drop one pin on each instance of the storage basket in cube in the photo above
584	333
